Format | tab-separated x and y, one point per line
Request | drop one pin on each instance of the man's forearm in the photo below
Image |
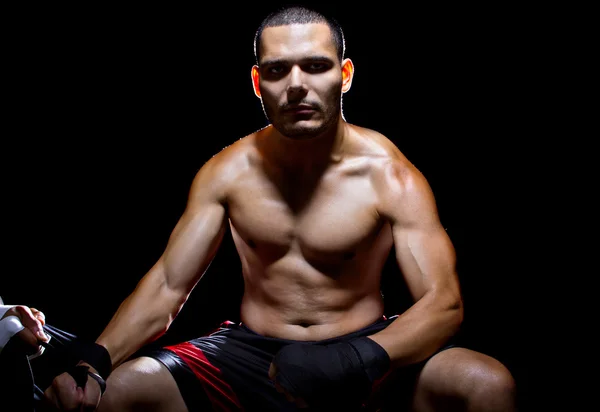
143	317
421	330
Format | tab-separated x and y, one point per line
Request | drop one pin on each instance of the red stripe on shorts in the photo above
219	392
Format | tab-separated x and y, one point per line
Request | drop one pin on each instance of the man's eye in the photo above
275	70
317	67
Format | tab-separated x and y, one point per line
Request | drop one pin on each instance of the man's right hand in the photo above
65	395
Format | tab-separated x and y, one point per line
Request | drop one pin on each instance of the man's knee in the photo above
121	388
471	378
492	385
141	384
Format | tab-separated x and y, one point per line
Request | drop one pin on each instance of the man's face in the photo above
300	79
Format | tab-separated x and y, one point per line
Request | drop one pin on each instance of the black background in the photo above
114	110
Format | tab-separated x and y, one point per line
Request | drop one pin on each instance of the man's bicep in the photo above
196	237
426	258
424	251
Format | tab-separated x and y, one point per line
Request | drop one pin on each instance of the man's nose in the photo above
297	84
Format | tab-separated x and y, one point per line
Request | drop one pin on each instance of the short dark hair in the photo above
300	15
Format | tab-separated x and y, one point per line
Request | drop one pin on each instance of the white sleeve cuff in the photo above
9	326
4	309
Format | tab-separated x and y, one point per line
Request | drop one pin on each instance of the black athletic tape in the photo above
81	372
100	381
93	354
325	375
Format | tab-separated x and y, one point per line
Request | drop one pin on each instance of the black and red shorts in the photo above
227	370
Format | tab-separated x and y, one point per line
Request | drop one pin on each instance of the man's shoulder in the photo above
233	157
390	169
384	153
225	166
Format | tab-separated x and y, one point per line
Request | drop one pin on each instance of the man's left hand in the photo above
336	374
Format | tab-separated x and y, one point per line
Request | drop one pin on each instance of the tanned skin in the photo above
315	205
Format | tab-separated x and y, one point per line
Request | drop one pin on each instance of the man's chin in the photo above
301	134
302	130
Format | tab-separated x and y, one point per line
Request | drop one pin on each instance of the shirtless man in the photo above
315	205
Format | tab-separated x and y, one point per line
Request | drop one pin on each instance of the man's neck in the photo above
305	154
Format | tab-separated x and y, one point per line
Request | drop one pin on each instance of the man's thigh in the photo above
396	391
465	377
453	376
141	384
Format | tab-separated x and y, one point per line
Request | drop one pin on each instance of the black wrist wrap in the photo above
95	355
374	359
81	372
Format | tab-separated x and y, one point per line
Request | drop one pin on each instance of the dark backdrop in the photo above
115	110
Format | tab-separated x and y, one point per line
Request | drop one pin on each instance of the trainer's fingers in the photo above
29	338
39	315
31	322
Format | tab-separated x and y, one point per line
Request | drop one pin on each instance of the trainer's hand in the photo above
33	321
65	395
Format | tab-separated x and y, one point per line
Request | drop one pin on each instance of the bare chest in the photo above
333	219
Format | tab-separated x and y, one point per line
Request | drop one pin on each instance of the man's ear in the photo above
255	81
347	74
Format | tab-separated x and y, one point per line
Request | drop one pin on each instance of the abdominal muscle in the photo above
306	305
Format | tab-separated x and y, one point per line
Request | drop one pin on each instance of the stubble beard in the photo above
304	129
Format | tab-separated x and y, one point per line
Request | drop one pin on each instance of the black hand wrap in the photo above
331	375
81	372
93	354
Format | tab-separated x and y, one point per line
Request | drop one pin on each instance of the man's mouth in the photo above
300	109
